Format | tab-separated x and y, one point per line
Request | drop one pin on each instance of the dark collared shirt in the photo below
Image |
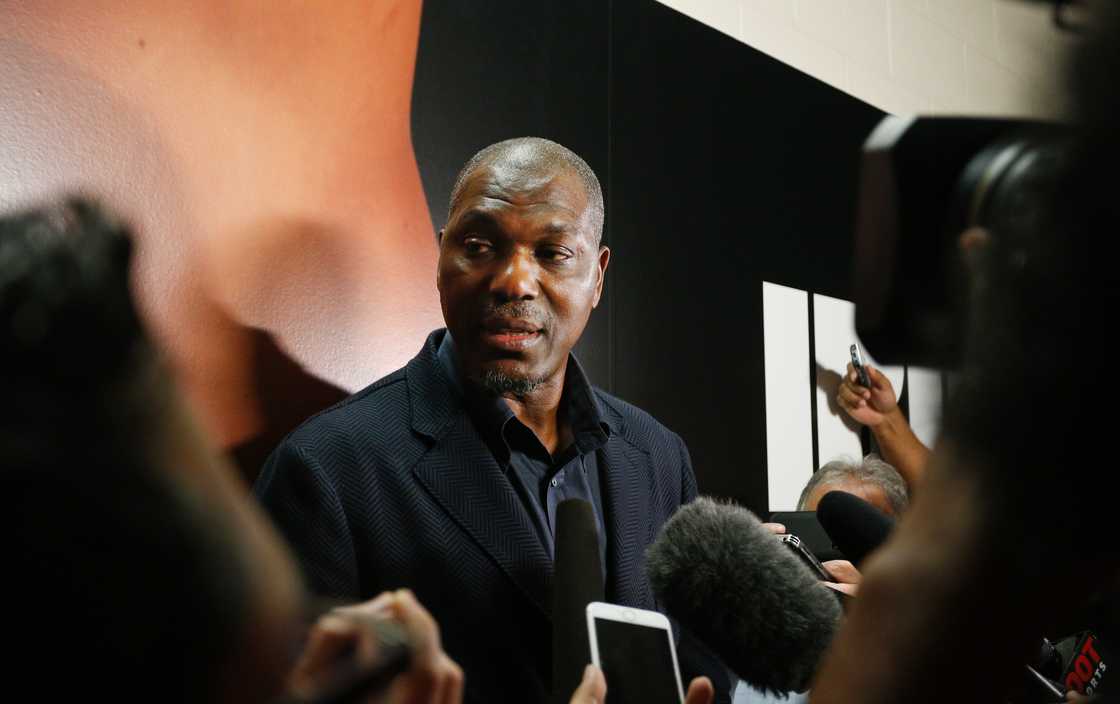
541	479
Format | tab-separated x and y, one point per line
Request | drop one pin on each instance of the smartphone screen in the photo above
637	663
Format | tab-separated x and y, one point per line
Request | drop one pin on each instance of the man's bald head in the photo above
539	156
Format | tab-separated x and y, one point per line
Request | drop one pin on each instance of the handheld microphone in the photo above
1087	667
1038	689
1077	664
577	581
856	527
742	592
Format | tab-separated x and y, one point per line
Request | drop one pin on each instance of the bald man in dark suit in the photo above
444	477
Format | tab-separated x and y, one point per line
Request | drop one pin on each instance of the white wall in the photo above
982	57
789	423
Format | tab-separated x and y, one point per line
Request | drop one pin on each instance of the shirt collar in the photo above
581	405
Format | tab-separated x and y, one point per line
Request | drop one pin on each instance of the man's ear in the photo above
604	260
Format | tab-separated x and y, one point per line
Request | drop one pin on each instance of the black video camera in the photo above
923	183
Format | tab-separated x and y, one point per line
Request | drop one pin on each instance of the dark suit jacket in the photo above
394	487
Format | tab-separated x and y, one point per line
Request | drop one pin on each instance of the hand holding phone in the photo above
634	649
799	548
857	362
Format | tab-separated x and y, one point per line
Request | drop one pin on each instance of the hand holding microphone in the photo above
579	581
389	643
845	576
856	527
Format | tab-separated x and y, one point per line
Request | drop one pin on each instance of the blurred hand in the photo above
775	528
700	691
433	678
869	407
844	571
846	575
593	689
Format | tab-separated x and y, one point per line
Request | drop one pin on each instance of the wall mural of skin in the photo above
263	152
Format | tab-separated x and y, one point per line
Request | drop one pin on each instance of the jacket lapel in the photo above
462	476
627	499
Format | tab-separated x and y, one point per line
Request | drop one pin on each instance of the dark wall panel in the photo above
488	71
728	168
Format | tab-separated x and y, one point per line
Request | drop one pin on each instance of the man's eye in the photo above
555	254
473	245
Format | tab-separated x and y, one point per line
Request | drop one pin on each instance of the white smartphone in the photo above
634	649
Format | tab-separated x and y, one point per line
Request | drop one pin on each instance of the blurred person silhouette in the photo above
1012	534
136	565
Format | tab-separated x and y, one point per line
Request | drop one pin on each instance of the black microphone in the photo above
577	581
1087	665
1078	663
856	527
732	583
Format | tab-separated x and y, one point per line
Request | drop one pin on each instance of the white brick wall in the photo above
977	57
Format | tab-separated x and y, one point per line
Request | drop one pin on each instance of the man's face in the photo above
519	272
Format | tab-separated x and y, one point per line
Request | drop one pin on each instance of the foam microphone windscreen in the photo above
856	527
577	581
748	597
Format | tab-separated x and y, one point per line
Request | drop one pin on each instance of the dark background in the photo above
495	70
721	167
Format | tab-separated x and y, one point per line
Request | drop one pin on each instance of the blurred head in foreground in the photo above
1013	532
135	567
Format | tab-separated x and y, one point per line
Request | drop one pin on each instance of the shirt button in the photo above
555	483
